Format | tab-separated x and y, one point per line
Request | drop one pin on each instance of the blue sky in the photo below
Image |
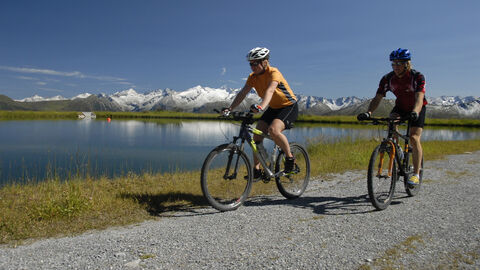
323	48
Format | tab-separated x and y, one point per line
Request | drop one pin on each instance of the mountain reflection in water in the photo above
33	150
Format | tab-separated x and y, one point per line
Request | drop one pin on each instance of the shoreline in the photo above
307	119
55	207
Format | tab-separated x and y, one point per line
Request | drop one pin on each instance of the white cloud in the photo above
75	74
127	83
224	70
26	78
44	71
41	83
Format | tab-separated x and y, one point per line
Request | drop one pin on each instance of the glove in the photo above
255	108
413	116
225	111
363	116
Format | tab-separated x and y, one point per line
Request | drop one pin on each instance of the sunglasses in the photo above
398	64
256	63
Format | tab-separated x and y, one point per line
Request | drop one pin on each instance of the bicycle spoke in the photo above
223	178
382	175
294	183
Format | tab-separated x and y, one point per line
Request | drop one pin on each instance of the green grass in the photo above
36	115
314	119
392	256
55	208
453	122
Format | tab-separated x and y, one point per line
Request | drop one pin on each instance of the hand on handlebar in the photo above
413	116
225	112
363	116
255	108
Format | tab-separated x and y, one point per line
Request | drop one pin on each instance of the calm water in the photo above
32	150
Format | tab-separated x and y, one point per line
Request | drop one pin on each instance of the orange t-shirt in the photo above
283	95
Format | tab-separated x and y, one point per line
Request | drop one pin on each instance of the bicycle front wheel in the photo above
226	177
412	190
292	185
381	179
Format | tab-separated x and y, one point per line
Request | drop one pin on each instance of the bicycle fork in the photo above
226	176
390	163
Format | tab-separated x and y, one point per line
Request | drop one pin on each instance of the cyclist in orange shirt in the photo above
277	95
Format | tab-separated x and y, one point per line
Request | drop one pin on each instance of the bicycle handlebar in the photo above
246	116
378	120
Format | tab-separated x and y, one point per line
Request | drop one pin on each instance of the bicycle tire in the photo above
293	185
412	190
226	193
381	187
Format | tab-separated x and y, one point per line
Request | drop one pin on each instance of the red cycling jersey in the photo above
403	88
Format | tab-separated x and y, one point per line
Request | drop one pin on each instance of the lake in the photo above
33	150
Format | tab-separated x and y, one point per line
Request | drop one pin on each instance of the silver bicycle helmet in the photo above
258	54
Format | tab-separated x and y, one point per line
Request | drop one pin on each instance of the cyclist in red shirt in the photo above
408	85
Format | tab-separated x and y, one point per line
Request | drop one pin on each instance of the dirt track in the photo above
333	226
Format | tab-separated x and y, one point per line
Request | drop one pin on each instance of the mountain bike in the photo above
227	172
389	162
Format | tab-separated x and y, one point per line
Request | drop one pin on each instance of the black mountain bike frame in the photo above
245	135
392	141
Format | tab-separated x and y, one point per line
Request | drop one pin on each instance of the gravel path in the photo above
332	226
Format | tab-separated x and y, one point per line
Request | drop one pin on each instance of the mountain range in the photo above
205	99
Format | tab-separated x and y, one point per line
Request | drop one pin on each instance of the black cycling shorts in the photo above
420	122
287	114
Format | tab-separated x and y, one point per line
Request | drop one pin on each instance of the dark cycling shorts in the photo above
287	114
421	117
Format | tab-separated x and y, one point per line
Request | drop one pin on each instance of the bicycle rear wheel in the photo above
412	190
226	177
293	185
381	185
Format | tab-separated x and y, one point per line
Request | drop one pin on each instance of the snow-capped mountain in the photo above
37	98
454	106
320	105
193	99
84	95
187	100
204	99
450	100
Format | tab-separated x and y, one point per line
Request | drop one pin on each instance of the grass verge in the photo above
36	115
56	208
303	118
